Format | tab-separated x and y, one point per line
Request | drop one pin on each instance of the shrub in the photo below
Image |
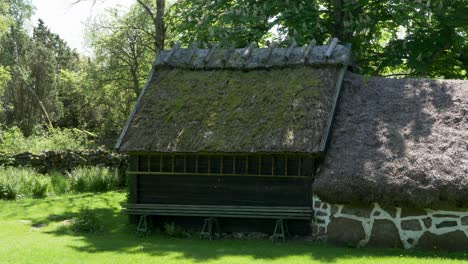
40	186
87	221
93	179
22	182
13	141
60	183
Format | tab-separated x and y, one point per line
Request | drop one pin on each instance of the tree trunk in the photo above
160	25
158	22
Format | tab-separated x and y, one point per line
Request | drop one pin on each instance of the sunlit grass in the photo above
57	243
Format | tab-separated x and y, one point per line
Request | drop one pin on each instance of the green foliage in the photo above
40	186
13	141
93	179
416	38
60	183
16	183
22	182
87	221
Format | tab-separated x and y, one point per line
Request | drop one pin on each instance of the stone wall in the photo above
390	227
65	160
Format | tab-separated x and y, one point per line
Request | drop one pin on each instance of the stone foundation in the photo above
390	227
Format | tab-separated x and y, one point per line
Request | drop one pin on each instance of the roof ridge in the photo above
251	57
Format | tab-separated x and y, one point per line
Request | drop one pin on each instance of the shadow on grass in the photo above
119	238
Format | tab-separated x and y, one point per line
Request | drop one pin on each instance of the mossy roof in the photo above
236	111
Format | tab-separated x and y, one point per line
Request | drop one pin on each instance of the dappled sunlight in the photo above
119	244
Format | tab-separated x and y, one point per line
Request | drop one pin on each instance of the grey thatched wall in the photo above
65	160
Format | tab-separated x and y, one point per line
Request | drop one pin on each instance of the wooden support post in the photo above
271	46
208	56
192	52
210	228
171	52
309	49
331	47
248	51
281	230
290	50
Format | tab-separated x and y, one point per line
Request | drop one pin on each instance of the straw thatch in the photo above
401	142
280	110
238	101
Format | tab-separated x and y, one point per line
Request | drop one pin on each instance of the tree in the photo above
412	38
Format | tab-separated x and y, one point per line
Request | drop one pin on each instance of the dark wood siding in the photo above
224	190
262	180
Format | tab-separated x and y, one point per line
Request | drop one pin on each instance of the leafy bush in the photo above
40	186
93	179
87	221
13	141
22	182
60	183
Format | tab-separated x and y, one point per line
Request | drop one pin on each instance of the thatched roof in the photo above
400	142
238	100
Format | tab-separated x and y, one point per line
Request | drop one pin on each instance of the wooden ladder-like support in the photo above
281	230
144	225
210	228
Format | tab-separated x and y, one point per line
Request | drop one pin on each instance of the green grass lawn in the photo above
20	242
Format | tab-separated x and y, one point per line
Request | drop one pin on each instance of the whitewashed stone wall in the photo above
411	226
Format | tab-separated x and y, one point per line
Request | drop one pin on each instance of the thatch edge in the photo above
338	87
135	108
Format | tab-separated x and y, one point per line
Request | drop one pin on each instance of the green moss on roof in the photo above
277	110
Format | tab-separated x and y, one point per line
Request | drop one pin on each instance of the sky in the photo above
68	20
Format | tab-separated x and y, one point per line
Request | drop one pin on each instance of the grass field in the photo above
35	231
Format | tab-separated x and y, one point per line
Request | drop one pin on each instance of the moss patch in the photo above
281	110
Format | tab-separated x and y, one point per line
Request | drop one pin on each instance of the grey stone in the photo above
385	234
427	222
390	210
357	211
321	213
405	212
446	224
452	241
464	220
345	232
333	209
413	225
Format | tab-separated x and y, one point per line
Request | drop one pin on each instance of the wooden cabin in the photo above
228	135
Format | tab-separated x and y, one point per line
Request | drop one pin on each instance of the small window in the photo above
215	164
307	167
228	165
167	163
253	164
279	164
143	163
293	166
267	165
155	163
203	164
179	163
241	165
133	162
191	164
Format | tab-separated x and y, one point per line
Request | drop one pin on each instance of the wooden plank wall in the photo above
223	190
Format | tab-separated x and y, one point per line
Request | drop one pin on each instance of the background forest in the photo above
53	97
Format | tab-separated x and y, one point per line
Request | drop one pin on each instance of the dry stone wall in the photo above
65	160
390	227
